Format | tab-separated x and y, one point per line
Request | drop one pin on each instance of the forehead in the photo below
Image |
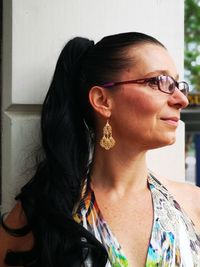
151	59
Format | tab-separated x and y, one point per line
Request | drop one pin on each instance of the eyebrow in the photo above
160	72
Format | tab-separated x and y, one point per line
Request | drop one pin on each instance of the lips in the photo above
171	120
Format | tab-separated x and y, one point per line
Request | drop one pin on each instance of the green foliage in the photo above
192	43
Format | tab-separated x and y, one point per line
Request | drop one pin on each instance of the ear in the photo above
101	101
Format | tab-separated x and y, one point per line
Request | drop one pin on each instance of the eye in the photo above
153	82
171	87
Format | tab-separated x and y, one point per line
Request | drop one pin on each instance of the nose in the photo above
178	99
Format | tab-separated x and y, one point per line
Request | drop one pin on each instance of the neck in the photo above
119	171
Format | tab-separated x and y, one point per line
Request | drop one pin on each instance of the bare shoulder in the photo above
184	191
188	197
16	219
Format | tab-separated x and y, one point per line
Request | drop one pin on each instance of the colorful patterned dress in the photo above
173	241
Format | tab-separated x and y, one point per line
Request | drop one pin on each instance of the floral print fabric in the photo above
173	241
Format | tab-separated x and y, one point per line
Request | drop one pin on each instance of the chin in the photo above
172	141
167	141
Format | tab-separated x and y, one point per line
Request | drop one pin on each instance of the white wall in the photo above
33	35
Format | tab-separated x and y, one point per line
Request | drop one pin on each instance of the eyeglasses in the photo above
165	84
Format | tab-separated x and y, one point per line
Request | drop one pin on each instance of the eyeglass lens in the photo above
168	85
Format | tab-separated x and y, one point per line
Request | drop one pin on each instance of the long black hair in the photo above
68	136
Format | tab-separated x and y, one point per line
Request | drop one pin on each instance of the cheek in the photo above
136	118
139	107
136	115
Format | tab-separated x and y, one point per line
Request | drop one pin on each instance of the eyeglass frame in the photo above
146	80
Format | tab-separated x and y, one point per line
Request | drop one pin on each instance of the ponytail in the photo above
48	199
65	137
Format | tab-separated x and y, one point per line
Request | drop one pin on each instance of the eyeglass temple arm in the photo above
139	81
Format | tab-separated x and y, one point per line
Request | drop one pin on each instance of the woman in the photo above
107	105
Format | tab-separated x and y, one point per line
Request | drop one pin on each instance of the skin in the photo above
16	219
136	114
119	176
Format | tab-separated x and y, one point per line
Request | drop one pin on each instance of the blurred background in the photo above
191	115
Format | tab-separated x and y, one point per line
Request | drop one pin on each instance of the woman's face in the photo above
141	115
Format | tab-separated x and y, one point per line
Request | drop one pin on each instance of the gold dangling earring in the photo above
107	141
